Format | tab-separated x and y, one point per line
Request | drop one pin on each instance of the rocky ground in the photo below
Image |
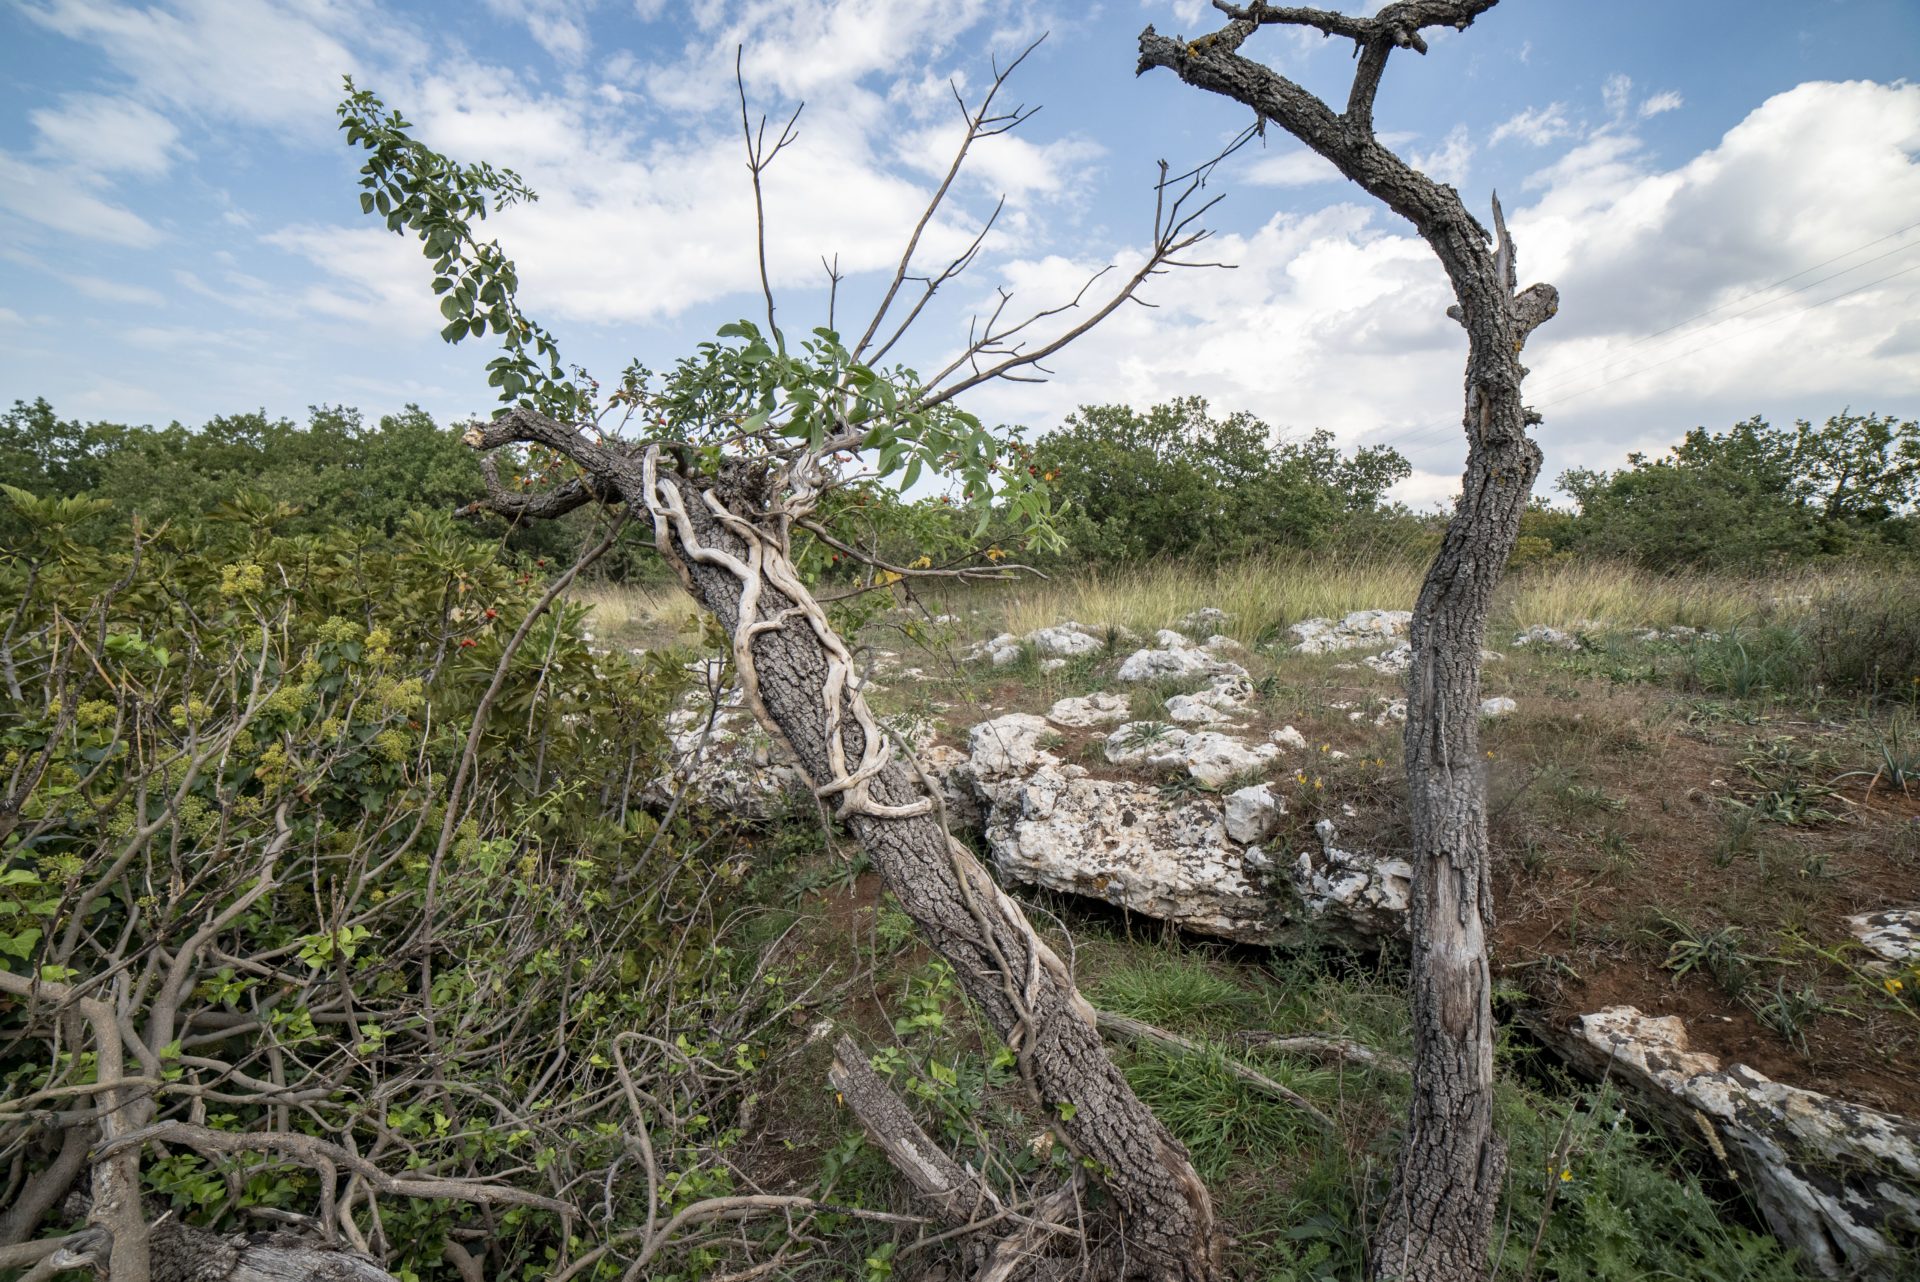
1698	898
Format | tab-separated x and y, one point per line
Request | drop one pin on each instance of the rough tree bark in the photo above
727	537
1440	1215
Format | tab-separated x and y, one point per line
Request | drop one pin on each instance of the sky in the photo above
1726	195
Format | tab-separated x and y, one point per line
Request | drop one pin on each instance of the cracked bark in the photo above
1439	1217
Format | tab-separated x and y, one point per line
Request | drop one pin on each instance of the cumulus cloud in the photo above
1336	319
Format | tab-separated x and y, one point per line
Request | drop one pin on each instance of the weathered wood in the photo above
182	1253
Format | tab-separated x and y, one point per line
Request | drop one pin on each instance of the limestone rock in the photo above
1214	758
1356	894
1225	698
1090	710
1253	813
1361	628
1392	662
1172	640
1009	744
1498	706
1210	757
1183	663
732	765
1204	622
1542	635
1838	1181
1892	934
952	771
1288	737
1064	640
1001	651
1123	843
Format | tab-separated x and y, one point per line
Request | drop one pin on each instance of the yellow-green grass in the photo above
643	616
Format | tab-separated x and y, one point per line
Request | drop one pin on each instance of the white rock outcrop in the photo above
1361	628
1498	706
1065	640
1542	635
1183	662
1355	894
1089	710
1253	813
1225	698
1204	622
1210	757
1840	1182
1010	743
1391	662
732	765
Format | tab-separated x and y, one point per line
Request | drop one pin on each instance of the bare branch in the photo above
759	156
311	1151
979	125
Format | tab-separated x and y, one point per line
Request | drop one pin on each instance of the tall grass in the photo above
639	615
1261	594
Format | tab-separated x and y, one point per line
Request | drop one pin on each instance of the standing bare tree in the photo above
1440	1215
735	456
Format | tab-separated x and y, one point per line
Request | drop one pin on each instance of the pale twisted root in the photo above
767	561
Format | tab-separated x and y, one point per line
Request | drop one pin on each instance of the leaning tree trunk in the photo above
795	672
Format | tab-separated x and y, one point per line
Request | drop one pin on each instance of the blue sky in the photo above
180	235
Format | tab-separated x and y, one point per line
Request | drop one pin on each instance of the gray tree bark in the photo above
1439	1218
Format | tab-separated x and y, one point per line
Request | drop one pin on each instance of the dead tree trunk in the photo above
727	538
1440	1215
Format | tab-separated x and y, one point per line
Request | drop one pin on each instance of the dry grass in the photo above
640	616
1259	594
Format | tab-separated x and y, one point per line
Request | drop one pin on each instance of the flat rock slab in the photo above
1838	1181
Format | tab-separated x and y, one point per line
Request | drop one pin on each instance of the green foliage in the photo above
255	733
1176	481
1756	494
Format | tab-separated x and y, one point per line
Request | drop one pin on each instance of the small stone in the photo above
1498	706
1288	737
1064	640
1253	813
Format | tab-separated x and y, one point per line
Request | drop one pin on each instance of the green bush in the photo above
231	759
1176	481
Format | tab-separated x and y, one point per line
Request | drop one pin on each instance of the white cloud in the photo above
265	64
1293	167
63	202
99	134
1616	93
1450	161
1666	100
115	291
558	26
1336	319
11	318
1536	125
